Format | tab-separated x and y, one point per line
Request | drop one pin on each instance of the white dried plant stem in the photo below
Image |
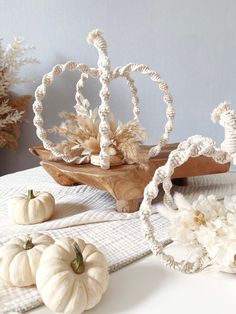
40	94
193	147
170	113
95	37
227	118
82	106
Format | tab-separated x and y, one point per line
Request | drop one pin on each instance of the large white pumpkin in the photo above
72	276
32	208
20	257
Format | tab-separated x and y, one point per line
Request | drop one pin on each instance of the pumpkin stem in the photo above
78	263
31	194
28	245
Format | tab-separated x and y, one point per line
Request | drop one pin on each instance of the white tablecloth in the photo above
81	211
88	213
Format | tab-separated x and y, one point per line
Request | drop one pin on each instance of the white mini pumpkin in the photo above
72	276
32	208
20	257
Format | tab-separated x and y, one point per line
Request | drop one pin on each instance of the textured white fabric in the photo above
120	241
74	205
81	211
88	213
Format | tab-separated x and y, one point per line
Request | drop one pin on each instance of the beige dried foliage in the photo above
7	140
81	133
10	133
128	139
83	138
12	59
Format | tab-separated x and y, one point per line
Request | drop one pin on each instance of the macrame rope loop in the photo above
40	93
226	118
193	147
170	113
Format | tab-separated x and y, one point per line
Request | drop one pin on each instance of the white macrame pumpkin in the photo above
72	276
32	208
20	257
105	75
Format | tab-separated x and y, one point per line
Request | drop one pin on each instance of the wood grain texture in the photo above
125	183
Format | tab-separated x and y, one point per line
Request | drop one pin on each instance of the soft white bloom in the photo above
231	218
207	224
206	236
230	203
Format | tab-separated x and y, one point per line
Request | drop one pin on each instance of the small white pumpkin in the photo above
72	276
32	208
20	257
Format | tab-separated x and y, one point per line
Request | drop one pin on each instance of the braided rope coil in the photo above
105	75
192	147
226	118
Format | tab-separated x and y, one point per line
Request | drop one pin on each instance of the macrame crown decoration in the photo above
97	138
207	224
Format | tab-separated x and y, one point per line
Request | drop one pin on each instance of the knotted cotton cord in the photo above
193	147
105	75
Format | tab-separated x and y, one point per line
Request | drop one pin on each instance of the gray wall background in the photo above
191	43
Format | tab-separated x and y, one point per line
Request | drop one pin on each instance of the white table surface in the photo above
149	287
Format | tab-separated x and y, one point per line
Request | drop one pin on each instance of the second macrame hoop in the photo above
105	75
193	147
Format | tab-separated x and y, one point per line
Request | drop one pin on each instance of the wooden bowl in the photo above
125	183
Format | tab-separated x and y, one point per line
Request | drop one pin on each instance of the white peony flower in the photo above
207	224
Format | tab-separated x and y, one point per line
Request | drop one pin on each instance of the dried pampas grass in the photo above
83	138
128	139
81	132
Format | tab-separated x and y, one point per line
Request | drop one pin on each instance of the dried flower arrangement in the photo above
83	138
12	59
